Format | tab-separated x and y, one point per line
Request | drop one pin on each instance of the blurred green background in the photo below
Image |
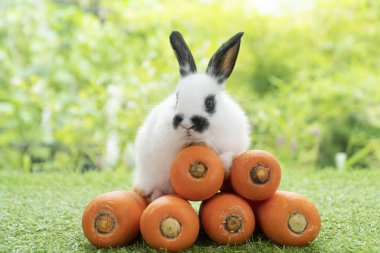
78	77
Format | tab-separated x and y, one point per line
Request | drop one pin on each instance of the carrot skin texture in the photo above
242	171
203	187
214	215
123	210
172	207
273	217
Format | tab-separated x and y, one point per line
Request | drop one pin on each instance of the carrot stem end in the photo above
104	223
233	223
297	222
259	174
170	227
198	169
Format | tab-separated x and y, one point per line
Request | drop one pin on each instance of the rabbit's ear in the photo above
183	54
223	61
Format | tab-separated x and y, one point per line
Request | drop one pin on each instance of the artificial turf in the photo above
42	212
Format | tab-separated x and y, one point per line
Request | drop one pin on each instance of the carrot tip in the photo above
297	222
233	223
198	169
104	222
259	174
170	227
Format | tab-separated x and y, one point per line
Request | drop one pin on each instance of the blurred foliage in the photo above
77	78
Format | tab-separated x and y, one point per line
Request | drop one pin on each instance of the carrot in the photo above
288	218
112	219
170	223
255	175
196	173
227	219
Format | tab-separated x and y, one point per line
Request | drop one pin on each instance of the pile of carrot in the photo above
229	213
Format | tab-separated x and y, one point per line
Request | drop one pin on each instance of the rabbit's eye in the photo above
210	103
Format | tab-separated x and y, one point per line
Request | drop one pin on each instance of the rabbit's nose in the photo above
187	126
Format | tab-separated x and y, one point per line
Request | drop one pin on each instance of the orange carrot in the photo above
255	175
112	219
197	173
288	218
170	223
227	219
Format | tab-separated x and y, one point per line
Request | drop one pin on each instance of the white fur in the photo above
158	142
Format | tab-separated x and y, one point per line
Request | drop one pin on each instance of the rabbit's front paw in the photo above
227	159
149	196
155	195
139	190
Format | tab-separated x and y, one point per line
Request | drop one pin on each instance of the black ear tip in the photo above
175	34
234	39
238	36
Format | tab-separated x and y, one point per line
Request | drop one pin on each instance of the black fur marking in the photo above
200	123
210	104
221	66
177	120
183	54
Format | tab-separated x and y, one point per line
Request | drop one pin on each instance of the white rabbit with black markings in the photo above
198	111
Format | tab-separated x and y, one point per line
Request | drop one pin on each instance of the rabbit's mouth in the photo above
188	132
190	135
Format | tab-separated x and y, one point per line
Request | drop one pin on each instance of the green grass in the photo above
42	212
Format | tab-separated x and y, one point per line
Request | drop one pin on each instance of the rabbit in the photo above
199	111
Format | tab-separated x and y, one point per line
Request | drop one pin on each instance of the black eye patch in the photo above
200	123
210	104
177	120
